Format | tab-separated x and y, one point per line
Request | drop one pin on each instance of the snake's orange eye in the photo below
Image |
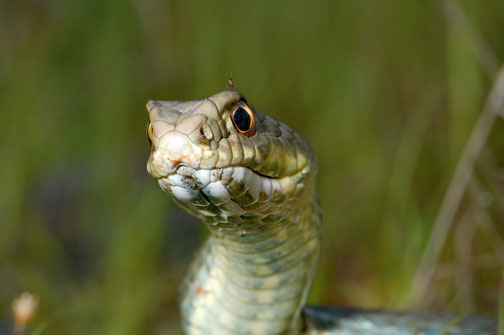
243	118
149	132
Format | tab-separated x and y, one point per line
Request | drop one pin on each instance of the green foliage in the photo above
387	93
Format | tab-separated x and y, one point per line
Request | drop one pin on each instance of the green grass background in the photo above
386	92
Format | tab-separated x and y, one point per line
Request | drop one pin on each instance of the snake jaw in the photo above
220	194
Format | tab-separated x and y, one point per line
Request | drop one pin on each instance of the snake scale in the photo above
251	180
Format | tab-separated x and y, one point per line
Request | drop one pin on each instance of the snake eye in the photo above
149	132
243	118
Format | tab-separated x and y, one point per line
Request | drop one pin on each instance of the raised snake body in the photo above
251	180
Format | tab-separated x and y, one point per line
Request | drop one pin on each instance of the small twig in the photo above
463	172
461	23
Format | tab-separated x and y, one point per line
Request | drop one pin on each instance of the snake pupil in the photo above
242	119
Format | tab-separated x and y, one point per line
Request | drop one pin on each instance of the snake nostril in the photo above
206	133
200	137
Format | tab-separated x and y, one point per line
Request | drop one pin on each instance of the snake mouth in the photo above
223	192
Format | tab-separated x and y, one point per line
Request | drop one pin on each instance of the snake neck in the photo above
251	180
254	280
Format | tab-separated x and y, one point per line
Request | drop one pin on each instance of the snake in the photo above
252	181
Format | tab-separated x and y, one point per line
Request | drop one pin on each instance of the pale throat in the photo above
255	276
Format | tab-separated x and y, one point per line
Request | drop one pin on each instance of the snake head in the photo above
220	157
